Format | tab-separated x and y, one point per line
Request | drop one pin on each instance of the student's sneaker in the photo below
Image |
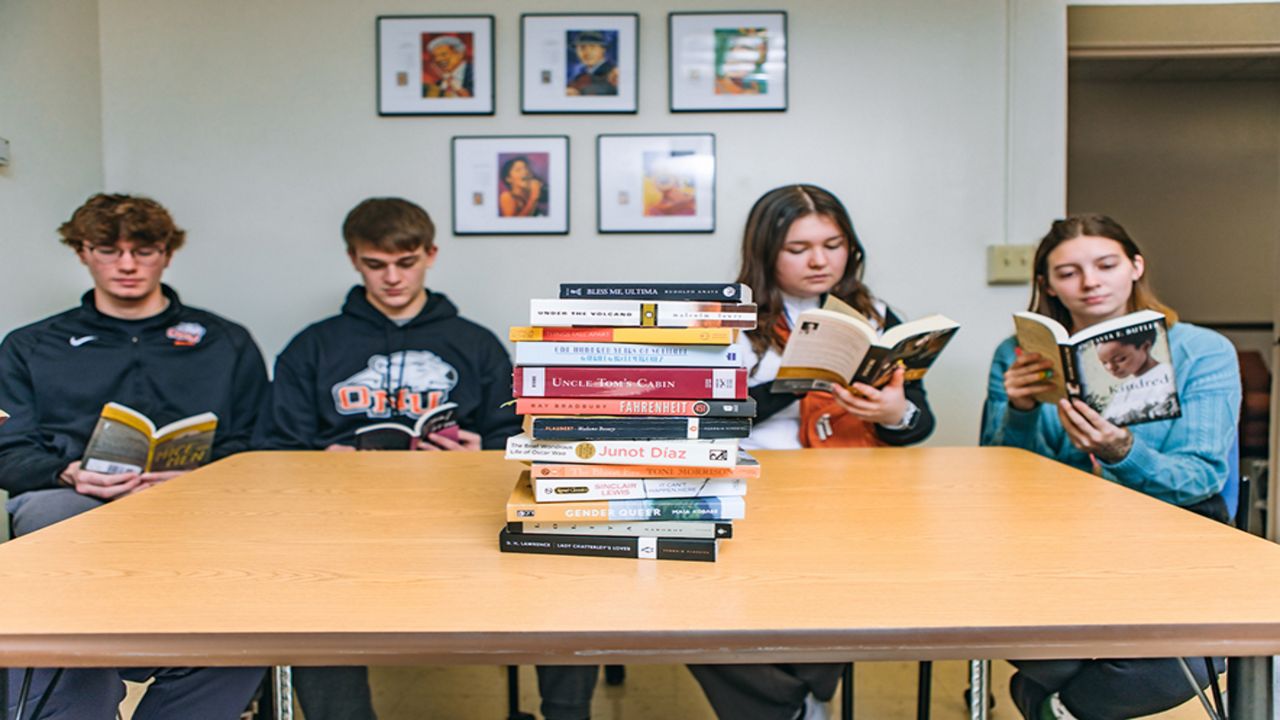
1053	709
813	709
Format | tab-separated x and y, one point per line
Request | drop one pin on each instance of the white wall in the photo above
51	112
942	125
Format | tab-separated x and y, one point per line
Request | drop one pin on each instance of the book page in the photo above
186	444
1035	336
824	346
121	441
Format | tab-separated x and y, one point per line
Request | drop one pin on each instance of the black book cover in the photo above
694	292
639	428
609	546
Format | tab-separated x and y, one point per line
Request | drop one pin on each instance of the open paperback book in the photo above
440	420
125	440
836	345
1122	368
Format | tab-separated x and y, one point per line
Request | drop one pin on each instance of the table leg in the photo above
979	688
1252	688
282	684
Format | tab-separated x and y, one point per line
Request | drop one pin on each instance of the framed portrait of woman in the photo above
579	63
511	185
727	61
656	183
435	64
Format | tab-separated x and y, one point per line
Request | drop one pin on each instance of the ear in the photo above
83	254
431	255
351	255
1139	267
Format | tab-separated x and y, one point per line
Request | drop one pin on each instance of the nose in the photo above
1090	278
818	258
127	261
393	275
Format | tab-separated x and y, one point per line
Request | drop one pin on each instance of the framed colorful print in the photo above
511	185
656	183
728	61
579	63
435	65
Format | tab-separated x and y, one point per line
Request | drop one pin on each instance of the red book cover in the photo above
596	382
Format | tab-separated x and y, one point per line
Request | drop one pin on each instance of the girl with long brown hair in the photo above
1088	270
799	247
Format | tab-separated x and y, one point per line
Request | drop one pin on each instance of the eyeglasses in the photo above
111	254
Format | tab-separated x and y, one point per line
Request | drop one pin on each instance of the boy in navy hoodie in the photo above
396	351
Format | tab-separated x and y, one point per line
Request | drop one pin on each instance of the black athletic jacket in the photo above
360	368
56	374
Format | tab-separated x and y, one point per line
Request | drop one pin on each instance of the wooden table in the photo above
381	558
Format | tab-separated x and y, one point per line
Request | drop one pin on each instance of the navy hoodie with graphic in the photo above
360	368
56	374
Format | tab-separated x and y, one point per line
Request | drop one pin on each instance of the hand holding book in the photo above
884	406
1029	376
1093	434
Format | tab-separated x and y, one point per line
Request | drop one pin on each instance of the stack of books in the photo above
634	401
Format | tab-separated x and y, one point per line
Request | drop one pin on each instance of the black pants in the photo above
765	692
342	693
1107	689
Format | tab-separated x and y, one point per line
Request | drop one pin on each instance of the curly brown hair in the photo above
106	219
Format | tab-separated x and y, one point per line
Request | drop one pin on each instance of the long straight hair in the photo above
767	226
1142	297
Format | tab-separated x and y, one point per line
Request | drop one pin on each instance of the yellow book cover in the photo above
125	440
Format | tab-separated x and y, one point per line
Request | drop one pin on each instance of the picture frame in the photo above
579	63
435	64
727	61
510	184
662	183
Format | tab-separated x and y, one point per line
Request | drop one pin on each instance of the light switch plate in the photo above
1009	264
4	152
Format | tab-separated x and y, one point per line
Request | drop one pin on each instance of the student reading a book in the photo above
798	247
1087	271
131	341
396	351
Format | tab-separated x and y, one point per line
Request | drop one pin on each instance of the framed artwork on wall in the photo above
511	185
579	63
656	183
435	65
722	62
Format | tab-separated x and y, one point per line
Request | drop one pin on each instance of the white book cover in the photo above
687	453
566	490
627	354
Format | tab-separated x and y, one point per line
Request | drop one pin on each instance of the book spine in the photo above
628	313
626	407
563	490
639	428
644	548
688	453
692	292
673	529
1070	372
557	470
675	336
624	354
679	383
597	511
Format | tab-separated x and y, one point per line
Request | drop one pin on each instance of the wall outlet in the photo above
4	152
1010	264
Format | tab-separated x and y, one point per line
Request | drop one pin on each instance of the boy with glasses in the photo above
395	351
133	342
